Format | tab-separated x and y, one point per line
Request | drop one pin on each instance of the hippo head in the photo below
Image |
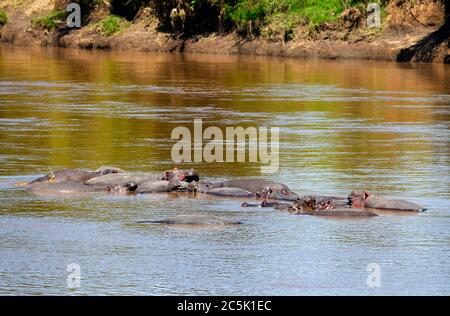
277	194
103	170
127	188
205	186
187	175
176	185
357	198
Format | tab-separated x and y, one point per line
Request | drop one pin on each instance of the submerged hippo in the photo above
141	177
76	188
123	178
212	188
324	209
187	175
75	175
67	175
193	220
107	170
160	186
339	213
248	188
364	199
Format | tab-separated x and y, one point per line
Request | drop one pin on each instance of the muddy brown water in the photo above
343	125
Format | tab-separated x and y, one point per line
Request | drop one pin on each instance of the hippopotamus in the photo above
187	175
339	213
324	211
67	175
125	177
107	170
232	192
248	188
213	188
141	177
364	199
160	186
75	175
193	220
76	188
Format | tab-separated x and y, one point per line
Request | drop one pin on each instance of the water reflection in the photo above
343	125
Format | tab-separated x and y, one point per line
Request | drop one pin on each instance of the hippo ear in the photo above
366	194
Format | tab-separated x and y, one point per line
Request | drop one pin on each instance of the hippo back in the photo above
378	202
255	185
124	178
67	175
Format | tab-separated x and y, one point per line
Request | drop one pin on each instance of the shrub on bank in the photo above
111	25
3	18
49	21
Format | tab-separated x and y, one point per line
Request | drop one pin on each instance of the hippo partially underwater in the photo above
115	180
358	203
193	220
299	208
364	199
112	180
78	188
248	188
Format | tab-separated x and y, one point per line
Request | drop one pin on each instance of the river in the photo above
343	125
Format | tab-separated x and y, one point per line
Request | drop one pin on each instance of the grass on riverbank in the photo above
313	12
3	18
49	21
111	25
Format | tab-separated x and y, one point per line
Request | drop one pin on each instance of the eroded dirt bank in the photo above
403	36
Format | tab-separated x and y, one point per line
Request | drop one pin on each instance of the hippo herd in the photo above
359	203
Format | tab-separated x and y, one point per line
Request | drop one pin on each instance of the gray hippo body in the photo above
364	199
193	220
141	177
73	181
77	188
107	170
153	187
340	213
232	192
248	188
160	186
61	187
67	175
75	175
125	177
216	189
301	210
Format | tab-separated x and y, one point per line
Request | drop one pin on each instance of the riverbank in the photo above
404	26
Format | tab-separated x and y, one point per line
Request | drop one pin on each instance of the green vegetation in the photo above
314	12
250	16
254	15
3	18
111	25
49	21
